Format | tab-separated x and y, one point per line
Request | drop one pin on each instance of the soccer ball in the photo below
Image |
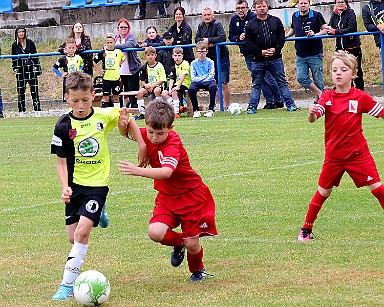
235	108
91	288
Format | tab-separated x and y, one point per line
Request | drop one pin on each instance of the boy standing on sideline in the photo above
69	63
202	76
180	81
112	59
309	53
152	77
83	166
182	199
346	149
164	56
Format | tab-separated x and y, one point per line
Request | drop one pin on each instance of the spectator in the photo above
211	31
343	20
152	77
130	69
373	14
203	77
112	59
182	33
143	10
153	38
83	43
237	26
164	56
309	53
180	80
27	69
69	63
265	48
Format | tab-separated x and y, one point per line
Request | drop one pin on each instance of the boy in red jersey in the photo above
182	199
346	149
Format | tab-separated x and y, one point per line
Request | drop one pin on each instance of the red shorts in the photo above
193	210
361	168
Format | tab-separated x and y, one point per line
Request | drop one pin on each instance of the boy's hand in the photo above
313	108
123	119
66	194
127	168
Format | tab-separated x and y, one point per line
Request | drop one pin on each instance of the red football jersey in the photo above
343	121
171	153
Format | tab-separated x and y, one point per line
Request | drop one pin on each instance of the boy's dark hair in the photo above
150	50
159	114
70	40
78	80
178	50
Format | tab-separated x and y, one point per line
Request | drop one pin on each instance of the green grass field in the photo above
262	171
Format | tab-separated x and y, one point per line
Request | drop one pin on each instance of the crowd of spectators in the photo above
263	37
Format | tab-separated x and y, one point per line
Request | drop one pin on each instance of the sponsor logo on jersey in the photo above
328	103
92	206
369	178
88	147
353	106
88	161
204	225
85	125
100	126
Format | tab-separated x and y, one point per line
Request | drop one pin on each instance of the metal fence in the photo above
50	85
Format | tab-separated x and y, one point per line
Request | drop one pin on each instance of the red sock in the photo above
195	261
379	194
313	209
172	238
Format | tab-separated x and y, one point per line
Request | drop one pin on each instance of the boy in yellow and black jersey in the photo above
112	59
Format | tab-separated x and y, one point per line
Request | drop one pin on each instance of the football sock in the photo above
176	105
379	194
195	261
140	104
313	209
75	261
172	238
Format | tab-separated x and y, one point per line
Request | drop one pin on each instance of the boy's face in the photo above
201	54
342	75
71	49
168	41
110	43
177	57
157	136
80	101
151	57
151	33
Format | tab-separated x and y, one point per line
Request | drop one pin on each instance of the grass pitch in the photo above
262	171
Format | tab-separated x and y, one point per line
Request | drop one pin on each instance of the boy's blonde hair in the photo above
347	58
78	80
110	35
150	50
70	40
159	114
178	50
202	45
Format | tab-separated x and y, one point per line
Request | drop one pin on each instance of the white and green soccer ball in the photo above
235	109
91	288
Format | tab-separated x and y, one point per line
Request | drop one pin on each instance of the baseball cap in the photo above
167	35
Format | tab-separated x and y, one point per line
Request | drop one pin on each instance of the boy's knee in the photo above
193	246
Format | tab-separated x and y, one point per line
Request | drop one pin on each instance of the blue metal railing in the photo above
217	46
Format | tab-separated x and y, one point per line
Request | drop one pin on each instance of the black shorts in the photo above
85	201
111	86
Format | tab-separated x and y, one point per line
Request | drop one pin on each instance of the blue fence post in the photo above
218	65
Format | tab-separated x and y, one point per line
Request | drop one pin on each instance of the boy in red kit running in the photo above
182	199
346	149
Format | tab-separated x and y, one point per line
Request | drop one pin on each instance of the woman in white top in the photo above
129	70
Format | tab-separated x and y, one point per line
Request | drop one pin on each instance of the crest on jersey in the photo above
353	104
72	133
100	126
88	147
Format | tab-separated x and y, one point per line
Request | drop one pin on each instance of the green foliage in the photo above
262	171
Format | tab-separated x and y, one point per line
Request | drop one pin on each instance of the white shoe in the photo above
209	113
196	114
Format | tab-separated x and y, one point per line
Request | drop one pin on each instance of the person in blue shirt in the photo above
203	77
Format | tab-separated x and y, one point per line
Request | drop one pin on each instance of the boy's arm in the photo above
127	168
98	68
62	172
313	108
